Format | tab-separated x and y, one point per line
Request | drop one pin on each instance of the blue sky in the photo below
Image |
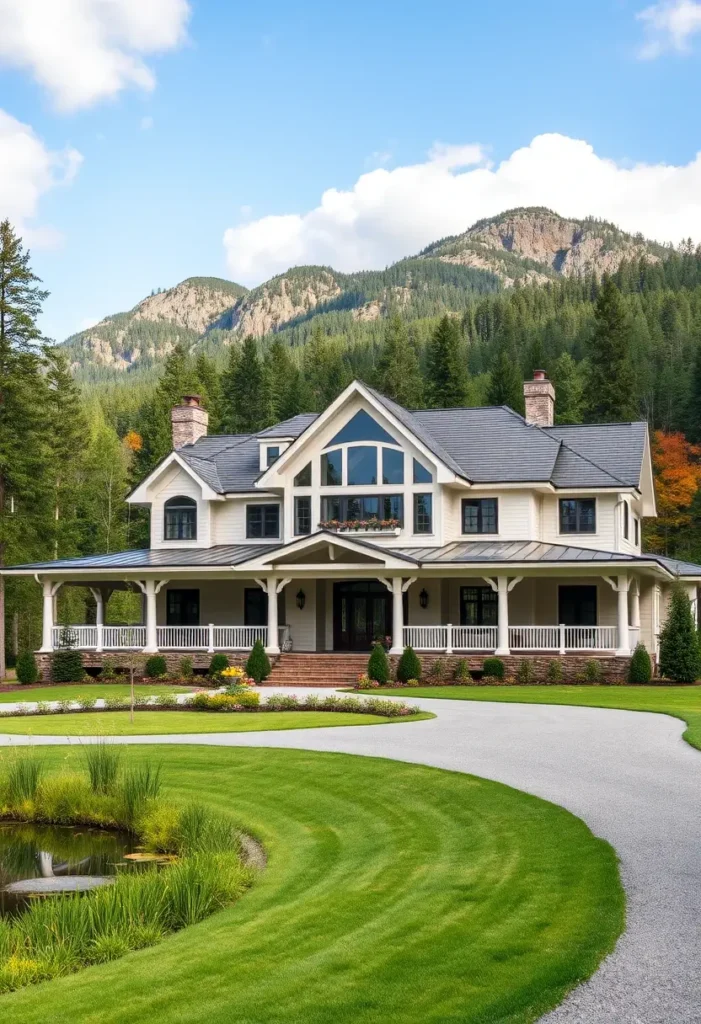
244	115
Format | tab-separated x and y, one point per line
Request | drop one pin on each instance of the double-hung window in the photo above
480	515
180	515
303	515
423	513
355	508
577	515
263	521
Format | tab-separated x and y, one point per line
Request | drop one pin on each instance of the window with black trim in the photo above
421	474
577	515
272	453
626	520
478	606
263	521
480	515
304	477
180	518
423	513
332	468
303	515
182	608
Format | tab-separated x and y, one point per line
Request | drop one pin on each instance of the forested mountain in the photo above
145	335
518	247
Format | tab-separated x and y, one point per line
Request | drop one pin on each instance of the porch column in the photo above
503	619
273	645
150	592
397	616
623	636
635	605
47	640
99	614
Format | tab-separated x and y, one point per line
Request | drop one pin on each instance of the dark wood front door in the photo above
183	608
362	613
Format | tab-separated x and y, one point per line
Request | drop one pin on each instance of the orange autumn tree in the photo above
677	467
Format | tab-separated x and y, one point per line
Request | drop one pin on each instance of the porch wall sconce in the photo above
301	599
423	598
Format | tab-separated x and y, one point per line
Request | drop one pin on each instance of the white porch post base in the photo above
273	645
503	619
397	616
623	649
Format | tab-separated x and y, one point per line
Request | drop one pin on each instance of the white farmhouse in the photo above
458	531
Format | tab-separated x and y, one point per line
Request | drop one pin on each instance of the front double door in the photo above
362	613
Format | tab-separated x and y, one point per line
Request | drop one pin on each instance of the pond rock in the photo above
58	884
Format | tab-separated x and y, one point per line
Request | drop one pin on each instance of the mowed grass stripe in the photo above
153	723
393	892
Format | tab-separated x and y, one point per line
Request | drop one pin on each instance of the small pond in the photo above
53	858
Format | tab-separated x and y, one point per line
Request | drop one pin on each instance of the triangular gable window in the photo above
361	427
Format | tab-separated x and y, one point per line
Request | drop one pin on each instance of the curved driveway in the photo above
628	774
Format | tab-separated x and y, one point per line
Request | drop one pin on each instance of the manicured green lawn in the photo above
151	723
393	893
85	691
681	701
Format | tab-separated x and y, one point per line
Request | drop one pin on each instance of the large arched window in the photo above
180	518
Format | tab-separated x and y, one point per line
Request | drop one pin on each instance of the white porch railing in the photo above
169	638
521	638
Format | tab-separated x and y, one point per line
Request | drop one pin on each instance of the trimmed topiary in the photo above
26	668
155	666
217	665
409	666
258	664
378	665
640	668
493	667
680	657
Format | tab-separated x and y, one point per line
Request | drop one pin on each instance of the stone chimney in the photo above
189	421
540	400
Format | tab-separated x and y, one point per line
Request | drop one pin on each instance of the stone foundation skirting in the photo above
121	660
613	669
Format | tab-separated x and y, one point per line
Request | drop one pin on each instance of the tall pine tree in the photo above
398	374
446	367
506	384
243	391
24	504
67	432
610	389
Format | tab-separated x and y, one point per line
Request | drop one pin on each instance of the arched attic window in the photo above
180	518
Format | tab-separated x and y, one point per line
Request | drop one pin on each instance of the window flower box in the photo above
361	525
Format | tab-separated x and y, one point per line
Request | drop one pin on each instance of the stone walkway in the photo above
628	774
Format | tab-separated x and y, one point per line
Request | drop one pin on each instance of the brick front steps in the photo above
317	669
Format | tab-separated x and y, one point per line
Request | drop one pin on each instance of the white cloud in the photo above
83	51
27	170
388	214
669	25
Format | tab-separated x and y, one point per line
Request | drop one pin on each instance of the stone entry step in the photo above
317	669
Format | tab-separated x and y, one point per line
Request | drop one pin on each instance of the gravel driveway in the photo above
628	774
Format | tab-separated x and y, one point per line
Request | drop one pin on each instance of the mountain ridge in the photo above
524	245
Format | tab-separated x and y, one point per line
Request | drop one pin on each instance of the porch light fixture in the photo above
301	599
423	598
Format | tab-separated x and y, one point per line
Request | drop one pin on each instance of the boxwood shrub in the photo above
155	666
493	667
409	666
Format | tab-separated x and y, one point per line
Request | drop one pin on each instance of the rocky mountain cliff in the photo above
522	246
535	245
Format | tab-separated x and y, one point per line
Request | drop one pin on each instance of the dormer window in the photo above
272	454
180	522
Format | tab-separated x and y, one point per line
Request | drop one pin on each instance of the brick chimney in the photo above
189	421
540	400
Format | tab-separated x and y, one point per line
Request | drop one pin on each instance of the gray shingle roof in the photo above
482	445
